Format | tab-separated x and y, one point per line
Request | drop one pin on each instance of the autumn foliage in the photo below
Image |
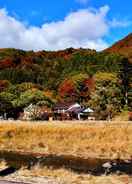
66	75
78	86
67	88
4	84
130	116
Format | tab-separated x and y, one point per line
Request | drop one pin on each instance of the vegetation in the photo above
105	140
38	174
80	75
106	99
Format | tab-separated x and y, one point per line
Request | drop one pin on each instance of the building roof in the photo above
88	110
76	110
75	105
63	106
71	107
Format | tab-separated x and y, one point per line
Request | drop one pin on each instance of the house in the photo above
87	114
72	111
34	112
75	111
29	112
60	111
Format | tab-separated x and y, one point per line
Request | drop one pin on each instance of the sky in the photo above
59	24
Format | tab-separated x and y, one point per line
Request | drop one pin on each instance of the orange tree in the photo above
76	88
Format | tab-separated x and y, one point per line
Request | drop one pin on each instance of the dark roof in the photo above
64	105
76	110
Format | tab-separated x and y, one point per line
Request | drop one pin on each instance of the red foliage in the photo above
3	84
6	63
88	87
28	61
66	54
130	116
67	88
123	46
90	83
19	60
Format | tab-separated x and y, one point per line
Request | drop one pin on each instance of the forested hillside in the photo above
123	46
99	80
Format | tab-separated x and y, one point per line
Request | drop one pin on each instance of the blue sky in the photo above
52	25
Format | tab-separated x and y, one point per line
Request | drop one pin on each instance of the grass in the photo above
123	116
62	176
70	177
112	140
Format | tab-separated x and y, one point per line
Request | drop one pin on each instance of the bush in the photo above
130	116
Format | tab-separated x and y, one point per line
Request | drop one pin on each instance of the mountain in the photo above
123	47
10	57
50	69
67	75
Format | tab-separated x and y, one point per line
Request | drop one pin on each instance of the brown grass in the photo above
112	140
69	177
38	174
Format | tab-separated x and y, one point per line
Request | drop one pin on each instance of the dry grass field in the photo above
62	176
111	140
96	139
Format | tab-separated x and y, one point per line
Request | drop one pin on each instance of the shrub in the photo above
130	116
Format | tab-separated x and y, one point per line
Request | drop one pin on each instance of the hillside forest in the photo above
100	80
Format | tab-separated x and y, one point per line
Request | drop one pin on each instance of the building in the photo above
34	112
72	111
60	111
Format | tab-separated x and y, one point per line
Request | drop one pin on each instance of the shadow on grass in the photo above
7	171
94	166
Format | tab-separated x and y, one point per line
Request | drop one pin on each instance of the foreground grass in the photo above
84	140
69	177
38	174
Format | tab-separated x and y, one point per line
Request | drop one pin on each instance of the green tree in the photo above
106	99
31	97
6	102
125	75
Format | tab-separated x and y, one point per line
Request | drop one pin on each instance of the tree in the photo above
4	84
125	75
106	99
32	96
6	102
76	88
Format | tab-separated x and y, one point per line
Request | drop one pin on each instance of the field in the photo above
62	176
110	140
84	140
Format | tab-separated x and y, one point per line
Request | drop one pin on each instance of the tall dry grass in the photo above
84	140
